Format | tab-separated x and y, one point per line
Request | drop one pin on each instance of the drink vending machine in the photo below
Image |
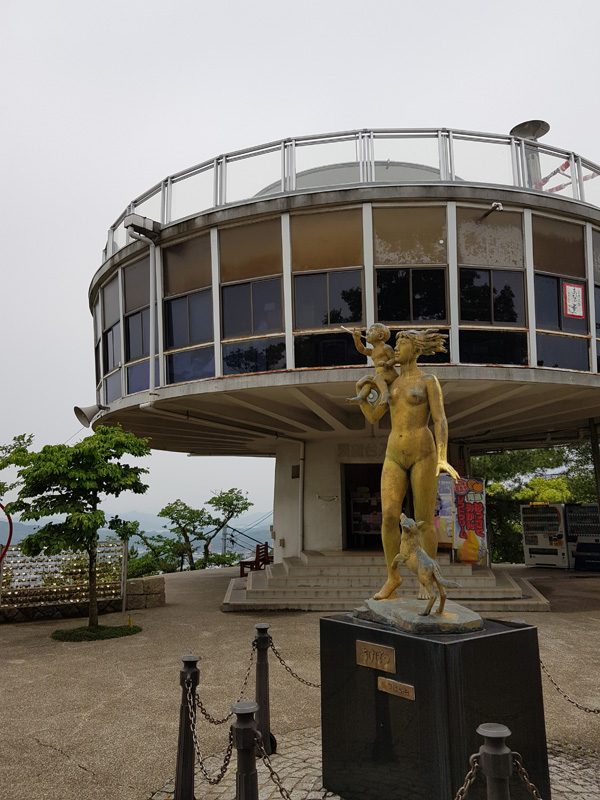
558	534
544	535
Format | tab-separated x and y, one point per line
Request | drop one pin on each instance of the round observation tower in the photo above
219	304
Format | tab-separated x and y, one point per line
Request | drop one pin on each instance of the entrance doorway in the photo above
362	506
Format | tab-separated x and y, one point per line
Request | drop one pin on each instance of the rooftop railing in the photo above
354	158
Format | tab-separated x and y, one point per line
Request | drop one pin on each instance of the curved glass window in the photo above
136	285
111	342
251	308
495	240
137	335
558	246
327	239
326	350
411	295
562	351
189	320
492	296
250	251
493	347
112	387
409	235
138	376
110	303
187	266
257	355
327	298
190	365
560	304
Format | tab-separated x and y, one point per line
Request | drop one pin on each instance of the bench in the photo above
262	557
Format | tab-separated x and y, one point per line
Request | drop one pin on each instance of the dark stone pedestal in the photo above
381	746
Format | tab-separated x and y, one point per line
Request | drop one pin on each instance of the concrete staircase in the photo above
342	580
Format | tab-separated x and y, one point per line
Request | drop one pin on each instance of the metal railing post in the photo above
495	760
184	773
244	740
263	718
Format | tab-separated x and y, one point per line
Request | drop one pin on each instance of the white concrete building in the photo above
257	257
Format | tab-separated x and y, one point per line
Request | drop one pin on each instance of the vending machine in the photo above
544	535
583	535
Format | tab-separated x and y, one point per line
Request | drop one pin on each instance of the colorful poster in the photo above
444	510
470	536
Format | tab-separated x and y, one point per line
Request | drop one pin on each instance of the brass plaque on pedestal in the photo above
396	688
375	656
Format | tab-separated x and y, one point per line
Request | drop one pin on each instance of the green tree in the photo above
69	481
200	525
8	452
165	553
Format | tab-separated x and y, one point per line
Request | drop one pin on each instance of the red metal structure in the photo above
4	549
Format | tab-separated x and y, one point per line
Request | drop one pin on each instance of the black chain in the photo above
218	777
523	774
272	772
215	720
562	692
469	777
287	667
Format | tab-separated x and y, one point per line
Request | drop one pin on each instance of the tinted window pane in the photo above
573	305
266	305
409	235
110	303
259	355
596	255
201	318
176	323
97	323
345	296
136	284
187	266
597	303
138	378
562	351
112	348
112	387
547	313
326	350
310	300
393	295
97	363
191	365
237	310
428	294
327	239
475	305
137	335
558	247
509	300
493	347
250	251
496	241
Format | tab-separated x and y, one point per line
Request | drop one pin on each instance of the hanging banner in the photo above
470	535
573	300
445	510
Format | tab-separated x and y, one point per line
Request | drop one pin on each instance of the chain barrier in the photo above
469	777
287	667
564	694
215	720
218	777
272	771
524	775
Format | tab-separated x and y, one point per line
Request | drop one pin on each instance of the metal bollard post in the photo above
184	773
263	718
495	760
244	740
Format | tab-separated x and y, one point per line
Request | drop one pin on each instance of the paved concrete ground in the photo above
89	721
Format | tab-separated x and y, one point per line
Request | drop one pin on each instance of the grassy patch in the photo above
87	634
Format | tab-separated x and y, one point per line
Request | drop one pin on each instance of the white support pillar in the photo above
216	300
288	308
453	286
589	271
530	286
369	270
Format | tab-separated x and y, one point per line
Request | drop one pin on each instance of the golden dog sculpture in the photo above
424	567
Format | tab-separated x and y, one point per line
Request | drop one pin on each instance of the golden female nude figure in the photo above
413	452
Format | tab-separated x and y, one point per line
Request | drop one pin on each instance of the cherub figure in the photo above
383	358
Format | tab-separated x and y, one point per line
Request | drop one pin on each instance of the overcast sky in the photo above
101	100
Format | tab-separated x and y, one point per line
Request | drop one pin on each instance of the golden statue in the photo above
383	358
414	453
